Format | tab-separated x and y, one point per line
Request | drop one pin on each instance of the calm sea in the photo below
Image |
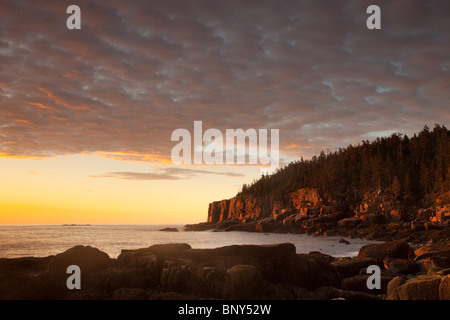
44	240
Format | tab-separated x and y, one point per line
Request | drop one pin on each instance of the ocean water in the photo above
44	240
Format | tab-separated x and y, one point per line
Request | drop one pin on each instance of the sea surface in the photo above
44	240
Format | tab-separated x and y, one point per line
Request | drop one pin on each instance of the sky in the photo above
86	116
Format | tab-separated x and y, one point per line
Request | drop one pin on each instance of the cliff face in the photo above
249	208
379	216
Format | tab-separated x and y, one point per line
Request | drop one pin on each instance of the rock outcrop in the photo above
176	271
379	216
395	249
249	208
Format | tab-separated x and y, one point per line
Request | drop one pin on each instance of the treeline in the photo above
414	170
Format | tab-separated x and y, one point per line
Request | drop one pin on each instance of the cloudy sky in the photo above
86	116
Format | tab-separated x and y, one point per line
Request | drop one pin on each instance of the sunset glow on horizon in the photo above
86	116
72	190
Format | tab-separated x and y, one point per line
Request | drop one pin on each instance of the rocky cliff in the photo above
249	208
379	216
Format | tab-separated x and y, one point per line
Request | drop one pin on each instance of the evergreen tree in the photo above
414	169
396	187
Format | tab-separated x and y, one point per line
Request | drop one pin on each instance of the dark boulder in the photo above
403	266
115	278
245	282
444	288
168	229
353	267
211	282
200	226
359	283
24	286
26	264
332	293
130	294
266	225
87	258
420	288
391	249
179	279
152	256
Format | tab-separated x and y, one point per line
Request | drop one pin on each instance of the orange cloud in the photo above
72	74
23	121
39	105
52	97
19	156
139	157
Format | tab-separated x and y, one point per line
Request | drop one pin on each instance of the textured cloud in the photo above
138	70
168	173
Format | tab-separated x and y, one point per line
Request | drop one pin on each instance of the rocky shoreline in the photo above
413	258
418	233
238	272
378	217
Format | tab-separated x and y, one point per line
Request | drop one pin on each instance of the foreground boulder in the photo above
276	263
359	283
87	258
354	266
399	249
421	288
152	256
433	255
176	271
245	282
444	288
